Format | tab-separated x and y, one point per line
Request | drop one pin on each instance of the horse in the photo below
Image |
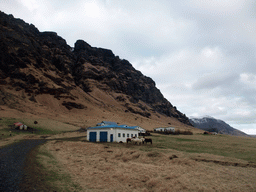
128	140
137	141
148	140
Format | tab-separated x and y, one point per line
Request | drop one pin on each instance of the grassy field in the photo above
43	173
172	163
223	145
43	127
243	148
54	174
229	146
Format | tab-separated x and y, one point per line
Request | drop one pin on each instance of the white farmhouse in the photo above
111	133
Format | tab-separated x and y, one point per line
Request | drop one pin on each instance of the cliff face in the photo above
114	74
42	63
33	61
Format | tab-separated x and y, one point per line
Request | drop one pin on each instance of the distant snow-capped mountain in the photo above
211	124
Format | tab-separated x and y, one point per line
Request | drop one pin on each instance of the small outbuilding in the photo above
141	130
165	129
20	126
111	133
159	129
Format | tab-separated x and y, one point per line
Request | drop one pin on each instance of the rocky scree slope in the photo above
42	63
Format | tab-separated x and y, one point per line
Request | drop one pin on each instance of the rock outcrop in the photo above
42	63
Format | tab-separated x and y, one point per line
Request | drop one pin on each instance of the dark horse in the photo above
148	140
128	140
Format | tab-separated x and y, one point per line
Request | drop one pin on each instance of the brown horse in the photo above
128	140
148	140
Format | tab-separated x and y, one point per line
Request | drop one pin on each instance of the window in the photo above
135	135
123	134
131	135
119	134
128	135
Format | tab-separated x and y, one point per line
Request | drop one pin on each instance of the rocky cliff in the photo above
35	63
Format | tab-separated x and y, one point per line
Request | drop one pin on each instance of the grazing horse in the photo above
148	140
137	141
128	140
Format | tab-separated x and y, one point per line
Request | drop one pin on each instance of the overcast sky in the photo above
200	53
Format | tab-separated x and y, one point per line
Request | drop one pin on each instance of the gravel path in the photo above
12	158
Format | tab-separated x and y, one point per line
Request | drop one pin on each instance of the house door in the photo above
111	138
92	136
103	136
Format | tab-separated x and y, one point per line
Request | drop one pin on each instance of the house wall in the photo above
165	129
170	129
115	131
141	130
159	129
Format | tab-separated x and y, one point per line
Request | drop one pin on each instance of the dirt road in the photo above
12	159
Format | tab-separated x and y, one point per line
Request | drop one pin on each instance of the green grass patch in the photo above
45	131
185	139
43	127
224	145
6	128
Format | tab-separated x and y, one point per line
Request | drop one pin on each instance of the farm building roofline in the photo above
114	126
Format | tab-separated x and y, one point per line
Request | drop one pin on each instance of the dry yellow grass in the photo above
118	167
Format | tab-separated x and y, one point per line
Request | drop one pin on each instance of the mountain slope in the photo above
215	125
41	74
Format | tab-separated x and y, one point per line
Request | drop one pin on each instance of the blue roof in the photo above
113	126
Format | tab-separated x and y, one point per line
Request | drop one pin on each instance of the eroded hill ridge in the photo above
215	125
35	63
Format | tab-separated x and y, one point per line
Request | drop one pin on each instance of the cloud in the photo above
246	128
206	81
216	80
31	5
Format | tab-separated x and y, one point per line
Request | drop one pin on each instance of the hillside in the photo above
215	125
41	76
